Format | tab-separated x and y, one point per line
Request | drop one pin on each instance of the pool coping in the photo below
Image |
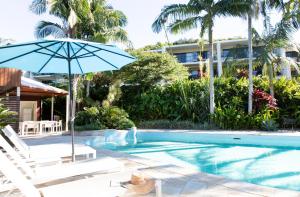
224	132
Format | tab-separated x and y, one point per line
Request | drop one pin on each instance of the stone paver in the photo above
177	181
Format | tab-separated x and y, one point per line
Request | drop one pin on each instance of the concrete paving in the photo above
176	181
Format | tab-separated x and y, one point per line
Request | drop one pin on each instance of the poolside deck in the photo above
176	181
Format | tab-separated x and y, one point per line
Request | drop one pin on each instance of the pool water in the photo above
268	166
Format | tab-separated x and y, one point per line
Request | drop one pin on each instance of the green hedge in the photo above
189	101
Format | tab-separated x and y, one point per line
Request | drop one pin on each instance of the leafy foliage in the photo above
151	69
6	116
172	124
156	46
263	100
92	20
188	101
182	100
103	117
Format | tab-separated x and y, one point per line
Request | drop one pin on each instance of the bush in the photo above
102	117
6	116
232	118
115	118
171	124
182	100
89	127
87	117
185	100
189	101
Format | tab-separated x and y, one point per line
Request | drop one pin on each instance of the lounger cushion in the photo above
60	150
101	165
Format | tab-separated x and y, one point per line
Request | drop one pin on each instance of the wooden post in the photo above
18	91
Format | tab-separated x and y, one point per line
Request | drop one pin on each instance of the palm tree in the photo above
199	13
272	38
278	36
251	13
84	19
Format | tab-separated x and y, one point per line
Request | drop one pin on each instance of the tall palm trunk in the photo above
271	78
250	57
211	71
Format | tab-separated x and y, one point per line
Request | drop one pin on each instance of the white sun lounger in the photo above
42	152
46	174
91	187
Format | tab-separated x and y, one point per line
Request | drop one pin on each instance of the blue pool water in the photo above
272	166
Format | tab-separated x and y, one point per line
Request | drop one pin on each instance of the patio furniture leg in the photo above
41	128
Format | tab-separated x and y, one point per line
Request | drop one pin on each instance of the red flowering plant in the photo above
263	100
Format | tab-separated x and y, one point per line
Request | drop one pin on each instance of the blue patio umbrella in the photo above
66	56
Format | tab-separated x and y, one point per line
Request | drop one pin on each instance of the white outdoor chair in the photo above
47	126
47	150
29	128
59	126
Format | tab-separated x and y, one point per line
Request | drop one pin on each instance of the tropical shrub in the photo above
232	118
151	69
115	118
6	116
103	117
186	100
181	100
263	100
87	116
173	124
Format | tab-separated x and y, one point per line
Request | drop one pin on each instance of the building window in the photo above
257	51
235	53
187	57
204	55
291	54
226	53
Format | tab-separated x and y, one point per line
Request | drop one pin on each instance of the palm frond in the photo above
38	6
205	23
234	8
283	32
119	35
171	14
201	5
184	25
45	28
62	8
256	38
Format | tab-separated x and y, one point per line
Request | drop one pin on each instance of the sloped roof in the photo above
35	87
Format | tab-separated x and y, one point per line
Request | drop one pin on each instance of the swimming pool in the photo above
262	160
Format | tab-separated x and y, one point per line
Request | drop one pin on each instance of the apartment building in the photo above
224	50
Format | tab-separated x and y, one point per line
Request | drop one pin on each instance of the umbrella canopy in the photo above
49	56
67	56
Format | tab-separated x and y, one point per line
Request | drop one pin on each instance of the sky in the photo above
18	23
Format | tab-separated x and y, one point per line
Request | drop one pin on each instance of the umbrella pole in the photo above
71	103
71	116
